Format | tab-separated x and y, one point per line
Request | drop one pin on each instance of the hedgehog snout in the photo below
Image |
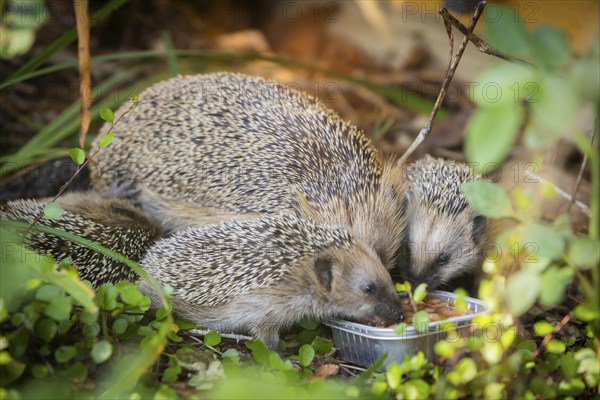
389	311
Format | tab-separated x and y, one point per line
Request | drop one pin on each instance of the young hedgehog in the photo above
247	145
445	238
263	275
112	223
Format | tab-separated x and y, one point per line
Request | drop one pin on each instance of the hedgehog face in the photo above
359	287
439	247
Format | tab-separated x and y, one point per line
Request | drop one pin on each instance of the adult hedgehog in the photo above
249	146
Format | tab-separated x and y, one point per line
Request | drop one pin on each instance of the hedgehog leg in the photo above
126	190
267	332
175	215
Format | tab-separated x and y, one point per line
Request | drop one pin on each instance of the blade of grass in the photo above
171	55
50	134
397	96
64	40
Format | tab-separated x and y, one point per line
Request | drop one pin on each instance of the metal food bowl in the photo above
364	344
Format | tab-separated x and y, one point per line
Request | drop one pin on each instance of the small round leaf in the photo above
77	155
306	354
53	210
101	351
106	114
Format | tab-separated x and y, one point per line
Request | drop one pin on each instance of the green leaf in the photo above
586	312
555	346
421	321
542	328
106	114
467	370
555	115
306	354
101	351
81	292
59	309
460	303
548	242
488	199
444	349
171	374
554	284
400	328
569	365
505	31
550	46
492	352
584	252
233	355
420	293
572	387
77	371
11	372
65	353
120	326
131	295
416	389
53	210
48	292
106	139
162	313
309	323
584	78
403	287
77	155
522	290
394	376
39	371
321	345
259	351
212	339
489	141
504	85
276	362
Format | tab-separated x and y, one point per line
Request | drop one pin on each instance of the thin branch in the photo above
549	336
481	45
581	170
80	168
449	75
85	78
234	336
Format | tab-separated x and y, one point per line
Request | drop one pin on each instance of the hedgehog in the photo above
264	274
113	223
445	238
245	145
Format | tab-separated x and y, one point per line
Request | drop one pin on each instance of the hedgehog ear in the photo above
323	266
479	226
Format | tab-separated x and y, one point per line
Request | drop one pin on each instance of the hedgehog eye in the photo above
370	288
443	259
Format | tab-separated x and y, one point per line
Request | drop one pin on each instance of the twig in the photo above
582	169
585	209
481	45
85	79
349	366
453	64
202	342
549	336
234	336
80	168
